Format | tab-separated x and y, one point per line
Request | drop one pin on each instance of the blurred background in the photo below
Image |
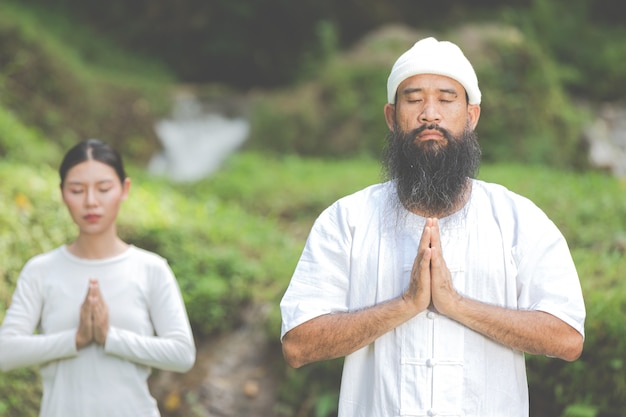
241	120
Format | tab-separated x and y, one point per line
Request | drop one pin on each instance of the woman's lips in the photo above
92	218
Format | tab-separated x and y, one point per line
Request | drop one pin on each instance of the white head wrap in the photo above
430	56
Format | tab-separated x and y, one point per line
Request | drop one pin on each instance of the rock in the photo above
234	375
251	389
605	137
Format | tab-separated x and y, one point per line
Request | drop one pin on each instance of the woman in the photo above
96	314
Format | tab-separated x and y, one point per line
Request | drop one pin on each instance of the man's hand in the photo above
535	332
431	280
444	296
419	291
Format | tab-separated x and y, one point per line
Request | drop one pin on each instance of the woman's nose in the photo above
90	197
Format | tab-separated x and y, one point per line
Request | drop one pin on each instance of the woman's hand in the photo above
100	313
84	335
94	318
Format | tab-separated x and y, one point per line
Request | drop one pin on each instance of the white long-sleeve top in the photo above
149	328
500	249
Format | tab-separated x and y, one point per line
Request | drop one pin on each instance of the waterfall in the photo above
195	141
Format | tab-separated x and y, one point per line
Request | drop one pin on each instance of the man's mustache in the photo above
432	126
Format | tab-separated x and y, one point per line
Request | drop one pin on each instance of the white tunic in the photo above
500	248
149	327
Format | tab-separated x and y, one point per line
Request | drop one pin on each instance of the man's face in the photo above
427	99
432	147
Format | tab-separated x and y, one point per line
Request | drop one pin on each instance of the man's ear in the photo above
390	115
473	114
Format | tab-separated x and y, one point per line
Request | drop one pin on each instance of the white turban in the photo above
430	56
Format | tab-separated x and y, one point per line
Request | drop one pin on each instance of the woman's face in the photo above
92	192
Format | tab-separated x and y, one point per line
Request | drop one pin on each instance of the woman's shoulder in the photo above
145	255
155	266
45	259
147	258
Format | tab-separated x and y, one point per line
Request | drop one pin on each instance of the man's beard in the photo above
431	177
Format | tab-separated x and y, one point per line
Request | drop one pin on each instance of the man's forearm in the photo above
338	334
534	332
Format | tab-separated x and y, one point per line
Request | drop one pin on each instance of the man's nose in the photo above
430	113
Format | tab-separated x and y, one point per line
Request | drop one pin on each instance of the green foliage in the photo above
22	143
211	40
586	37
526	114
580	411
223	256
287	187
312	390
20	391
31	219
338	113
49	86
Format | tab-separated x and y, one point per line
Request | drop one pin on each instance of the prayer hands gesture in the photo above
94	318
431	281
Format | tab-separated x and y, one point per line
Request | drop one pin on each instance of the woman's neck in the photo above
97	247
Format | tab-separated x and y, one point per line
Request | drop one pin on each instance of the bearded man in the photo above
433	285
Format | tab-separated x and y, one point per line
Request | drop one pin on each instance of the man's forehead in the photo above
430	82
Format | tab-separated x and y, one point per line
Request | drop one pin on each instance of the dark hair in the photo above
92	149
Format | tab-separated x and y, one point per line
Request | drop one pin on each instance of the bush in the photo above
21	143
32	221
340	112
222	255
50	87
586	37
526	114
21	390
